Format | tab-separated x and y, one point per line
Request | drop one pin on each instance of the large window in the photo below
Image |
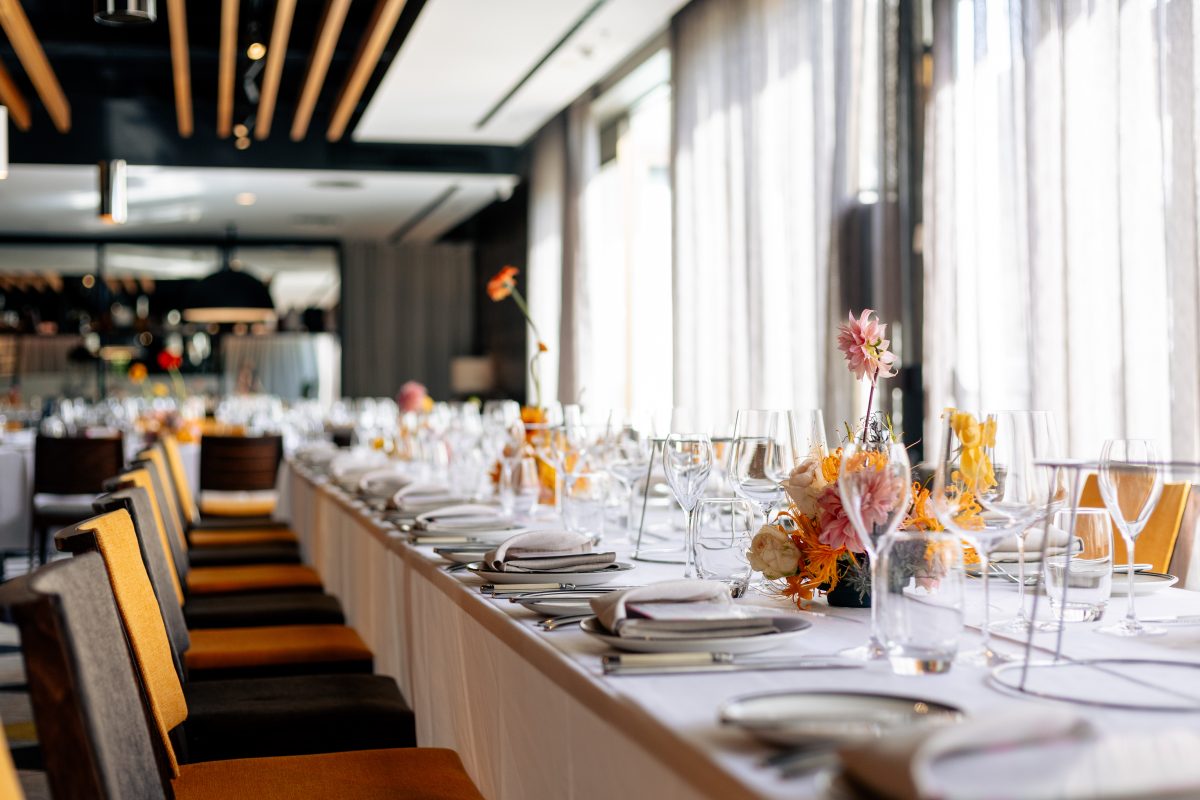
628	207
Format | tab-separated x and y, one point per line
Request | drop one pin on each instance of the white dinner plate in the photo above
1143	583
594	578
491	538
794	718
464	553
735	645
556	604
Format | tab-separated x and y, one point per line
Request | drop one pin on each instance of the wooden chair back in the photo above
1156	543
239	463
75	464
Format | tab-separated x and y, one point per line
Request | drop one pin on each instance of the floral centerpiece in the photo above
811	547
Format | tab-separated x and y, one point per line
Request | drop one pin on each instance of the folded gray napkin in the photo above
1006	549
465	518
550	550
687	610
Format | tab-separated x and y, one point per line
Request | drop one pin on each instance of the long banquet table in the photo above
532	714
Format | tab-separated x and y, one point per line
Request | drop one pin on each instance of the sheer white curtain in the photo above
544	281
768	110
1061	229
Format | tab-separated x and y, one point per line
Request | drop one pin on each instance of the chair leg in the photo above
44	545
33	538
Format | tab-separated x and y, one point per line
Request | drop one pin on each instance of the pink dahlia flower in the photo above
861	342
412	396
880	491
836	528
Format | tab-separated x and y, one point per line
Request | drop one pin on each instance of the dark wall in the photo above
500	234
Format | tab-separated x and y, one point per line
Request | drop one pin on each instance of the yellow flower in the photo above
832	465
161	390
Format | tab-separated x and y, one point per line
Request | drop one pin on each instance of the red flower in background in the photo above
169	361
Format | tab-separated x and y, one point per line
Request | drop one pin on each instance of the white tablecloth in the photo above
532	715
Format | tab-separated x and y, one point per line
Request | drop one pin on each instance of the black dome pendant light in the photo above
230	295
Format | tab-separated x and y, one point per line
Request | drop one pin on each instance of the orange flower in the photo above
502	284
137	372
542	348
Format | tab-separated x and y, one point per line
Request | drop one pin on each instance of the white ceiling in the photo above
463	56
167	201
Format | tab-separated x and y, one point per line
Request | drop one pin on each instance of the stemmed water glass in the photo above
1131	483
687	462
631	446
1044	445
762	455
873	483
986	487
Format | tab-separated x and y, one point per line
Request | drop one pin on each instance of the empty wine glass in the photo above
687	462
873	483
1131	483
761	456
986	488
631	445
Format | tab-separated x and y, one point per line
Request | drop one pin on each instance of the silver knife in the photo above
679	663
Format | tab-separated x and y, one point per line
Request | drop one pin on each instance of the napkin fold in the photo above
422	496
1006	549
686	610
1081	761
383	482
540	551
464	518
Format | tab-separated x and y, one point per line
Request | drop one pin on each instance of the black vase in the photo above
846	596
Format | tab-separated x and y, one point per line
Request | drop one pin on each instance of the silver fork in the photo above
554	623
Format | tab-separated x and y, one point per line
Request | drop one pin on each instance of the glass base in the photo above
1131	628
984	657
871	651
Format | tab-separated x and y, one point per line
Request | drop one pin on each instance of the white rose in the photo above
805	485
773	553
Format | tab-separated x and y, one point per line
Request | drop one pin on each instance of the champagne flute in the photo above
687	462
873	483
985	489
1131	483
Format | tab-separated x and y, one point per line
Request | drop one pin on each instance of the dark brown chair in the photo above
68	473
246	465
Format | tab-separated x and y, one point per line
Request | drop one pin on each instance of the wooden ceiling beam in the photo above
181	70
226	66
383	22
328	32
33	58
12	99
281	29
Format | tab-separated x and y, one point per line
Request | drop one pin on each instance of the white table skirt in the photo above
533	717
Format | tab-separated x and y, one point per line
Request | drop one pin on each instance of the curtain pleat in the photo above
409	310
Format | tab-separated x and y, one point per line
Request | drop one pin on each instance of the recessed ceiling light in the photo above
246	198
256	50
337	183
241	131
242	142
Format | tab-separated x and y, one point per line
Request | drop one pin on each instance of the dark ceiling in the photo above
118	81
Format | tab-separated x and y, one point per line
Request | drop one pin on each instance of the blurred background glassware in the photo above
919	600
520	487
687	462
762	455
808	431
873	485
1131	483
583	502
1089	576
724	528
631	448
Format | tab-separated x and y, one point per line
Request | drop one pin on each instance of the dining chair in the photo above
105	738
1156	543
68	473
210	654
238	474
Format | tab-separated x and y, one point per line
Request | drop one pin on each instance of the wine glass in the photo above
986	488
761	456
873	483
1045	493
631	445
687	461
1131	483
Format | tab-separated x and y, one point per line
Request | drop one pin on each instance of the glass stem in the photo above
1131	620
985	570
1021	577
876	590
689	569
